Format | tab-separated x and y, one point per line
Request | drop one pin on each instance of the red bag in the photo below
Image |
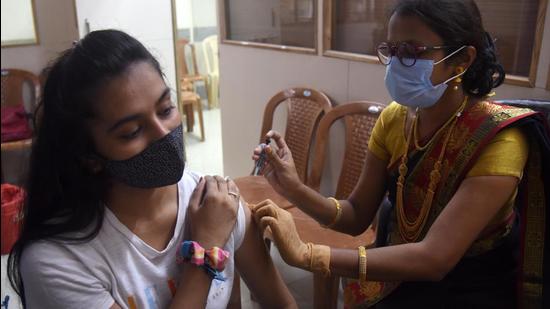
15	123
12	203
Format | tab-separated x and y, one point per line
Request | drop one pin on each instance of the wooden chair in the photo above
13	81
211	61
189	101
359	119
305	109
189	74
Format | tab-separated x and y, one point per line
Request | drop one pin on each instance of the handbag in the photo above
15	124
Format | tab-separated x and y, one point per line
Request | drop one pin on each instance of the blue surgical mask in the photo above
411	86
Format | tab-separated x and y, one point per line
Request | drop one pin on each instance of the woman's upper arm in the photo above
371	186
476	202
369	191
488	186
505	155
258	271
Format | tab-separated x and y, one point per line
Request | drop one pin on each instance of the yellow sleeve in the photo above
377	142
505	155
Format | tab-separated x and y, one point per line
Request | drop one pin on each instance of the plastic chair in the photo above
13	82
359	119
305	109
211	60
189	74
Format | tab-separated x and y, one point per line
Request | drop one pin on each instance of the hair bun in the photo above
486	72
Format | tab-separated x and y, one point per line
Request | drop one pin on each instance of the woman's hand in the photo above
293	250
212	211
279	169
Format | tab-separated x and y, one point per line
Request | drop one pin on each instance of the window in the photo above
360	25
279	24
355	27
18	23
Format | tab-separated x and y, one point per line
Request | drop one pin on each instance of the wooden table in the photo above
255	189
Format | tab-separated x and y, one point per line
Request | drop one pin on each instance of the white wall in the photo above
184	16
149	21
204	13
250	76
196	13
56	27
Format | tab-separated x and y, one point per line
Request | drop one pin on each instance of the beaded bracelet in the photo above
337	215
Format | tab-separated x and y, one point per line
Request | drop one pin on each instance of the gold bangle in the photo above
337	215
362	264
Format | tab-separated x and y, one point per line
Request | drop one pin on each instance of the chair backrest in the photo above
13	81
359	119
305	107
210	53
182	48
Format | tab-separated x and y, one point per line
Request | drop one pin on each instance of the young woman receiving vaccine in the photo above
113	219
454	166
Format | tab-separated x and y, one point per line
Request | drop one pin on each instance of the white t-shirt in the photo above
117	266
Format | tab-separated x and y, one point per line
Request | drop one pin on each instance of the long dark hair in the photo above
63	195
458	23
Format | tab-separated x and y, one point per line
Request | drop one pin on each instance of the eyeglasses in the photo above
405	52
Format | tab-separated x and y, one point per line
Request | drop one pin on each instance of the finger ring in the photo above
236	195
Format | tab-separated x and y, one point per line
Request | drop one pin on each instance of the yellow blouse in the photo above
504	155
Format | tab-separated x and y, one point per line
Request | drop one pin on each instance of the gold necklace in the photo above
410	229
415	129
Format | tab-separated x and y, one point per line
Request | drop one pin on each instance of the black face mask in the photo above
161	164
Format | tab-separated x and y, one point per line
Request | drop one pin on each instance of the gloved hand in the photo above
294	251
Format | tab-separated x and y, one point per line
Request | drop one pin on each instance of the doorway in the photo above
196	48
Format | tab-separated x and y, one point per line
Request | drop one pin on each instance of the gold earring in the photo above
458	80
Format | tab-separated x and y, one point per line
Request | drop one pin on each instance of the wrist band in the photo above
362	264
214	274
216	258
191	251
337	215
212	261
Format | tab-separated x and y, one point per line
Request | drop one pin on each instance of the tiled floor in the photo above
205	157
